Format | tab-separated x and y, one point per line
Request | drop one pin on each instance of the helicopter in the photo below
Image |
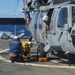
52	24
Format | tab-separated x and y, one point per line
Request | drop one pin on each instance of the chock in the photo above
42	59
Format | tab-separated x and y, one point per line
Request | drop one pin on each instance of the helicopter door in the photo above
62	21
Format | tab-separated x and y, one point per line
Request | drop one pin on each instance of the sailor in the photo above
46	21
26	45
15	51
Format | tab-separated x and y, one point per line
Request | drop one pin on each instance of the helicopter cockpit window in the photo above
62	18
73	16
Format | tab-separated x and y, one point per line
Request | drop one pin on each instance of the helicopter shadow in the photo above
64	58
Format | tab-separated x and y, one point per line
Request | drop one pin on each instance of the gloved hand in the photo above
24	56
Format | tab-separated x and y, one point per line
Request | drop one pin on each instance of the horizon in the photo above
10	8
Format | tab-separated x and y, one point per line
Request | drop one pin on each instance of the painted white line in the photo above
38	65
55	61
2	51
4	59
50	66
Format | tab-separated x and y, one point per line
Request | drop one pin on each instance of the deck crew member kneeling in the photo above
16	51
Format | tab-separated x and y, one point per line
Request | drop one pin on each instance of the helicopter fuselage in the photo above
60	33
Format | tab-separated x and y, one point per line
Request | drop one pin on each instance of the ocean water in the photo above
15	29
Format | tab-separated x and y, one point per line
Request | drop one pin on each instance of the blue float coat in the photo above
16	47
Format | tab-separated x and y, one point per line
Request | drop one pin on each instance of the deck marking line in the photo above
2	51
38	65
55	61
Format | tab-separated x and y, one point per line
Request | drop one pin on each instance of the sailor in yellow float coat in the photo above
26	45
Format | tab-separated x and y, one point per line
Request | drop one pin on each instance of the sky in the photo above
9	8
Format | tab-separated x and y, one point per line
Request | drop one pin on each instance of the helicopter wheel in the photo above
40	51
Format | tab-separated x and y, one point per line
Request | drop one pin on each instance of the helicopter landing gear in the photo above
69	62
40	51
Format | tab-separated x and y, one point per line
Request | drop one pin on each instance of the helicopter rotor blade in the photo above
16	5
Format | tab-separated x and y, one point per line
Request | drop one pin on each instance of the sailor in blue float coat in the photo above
15	50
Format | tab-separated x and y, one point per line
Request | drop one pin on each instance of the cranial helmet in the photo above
17	38
45	18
